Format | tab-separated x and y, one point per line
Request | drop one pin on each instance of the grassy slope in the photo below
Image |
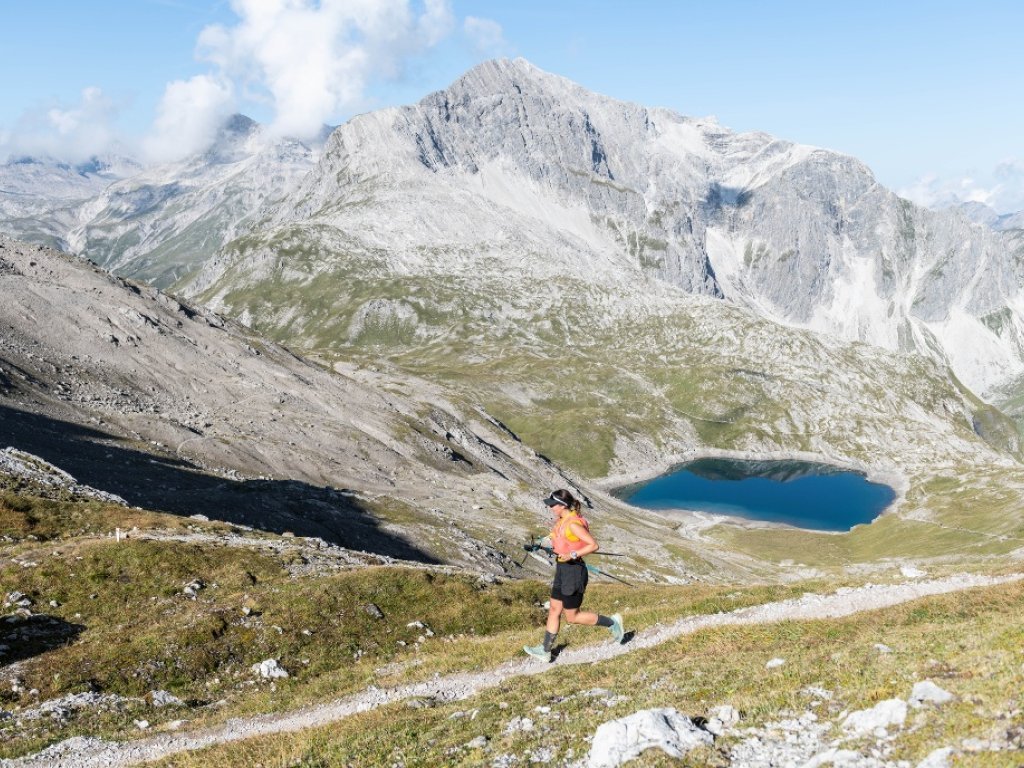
968	643
135	632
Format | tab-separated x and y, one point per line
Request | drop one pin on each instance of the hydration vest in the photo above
563	540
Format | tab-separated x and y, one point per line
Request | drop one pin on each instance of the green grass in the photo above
135	631
969	643
139	633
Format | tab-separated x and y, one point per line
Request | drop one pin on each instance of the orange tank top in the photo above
563	540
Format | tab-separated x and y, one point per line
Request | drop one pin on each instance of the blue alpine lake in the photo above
802	494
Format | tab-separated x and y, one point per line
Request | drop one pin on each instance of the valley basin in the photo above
802	494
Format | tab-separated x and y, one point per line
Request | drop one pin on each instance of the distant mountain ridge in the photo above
40	196
980	213
511	165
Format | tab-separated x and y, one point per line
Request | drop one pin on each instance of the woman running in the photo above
571	540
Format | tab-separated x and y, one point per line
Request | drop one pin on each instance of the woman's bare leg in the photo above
554	615
574	616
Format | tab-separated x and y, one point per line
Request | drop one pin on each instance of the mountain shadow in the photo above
168	484
720	197
24	637
780	470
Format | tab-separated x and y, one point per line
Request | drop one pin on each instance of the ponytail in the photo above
568	499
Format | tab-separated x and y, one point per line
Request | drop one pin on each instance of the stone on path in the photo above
619	741
834	757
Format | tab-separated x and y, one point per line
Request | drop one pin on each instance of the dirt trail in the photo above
95	753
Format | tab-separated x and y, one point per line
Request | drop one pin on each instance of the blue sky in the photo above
929	94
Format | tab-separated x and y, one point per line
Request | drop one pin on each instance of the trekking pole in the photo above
591	568
595	569
607	554
531	551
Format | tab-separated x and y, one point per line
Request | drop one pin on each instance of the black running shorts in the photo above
570	583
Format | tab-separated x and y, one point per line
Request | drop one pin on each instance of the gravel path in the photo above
95	753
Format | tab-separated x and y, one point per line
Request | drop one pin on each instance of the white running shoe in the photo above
618	632
538	652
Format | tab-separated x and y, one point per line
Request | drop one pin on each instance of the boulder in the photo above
619	741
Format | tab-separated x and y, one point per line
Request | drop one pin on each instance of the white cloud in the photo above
188	117
310	62
313	60
69	132
1002	189
486	36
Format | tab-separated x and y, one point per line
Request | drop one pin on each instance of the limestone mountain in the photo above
979	213
173	407
512	169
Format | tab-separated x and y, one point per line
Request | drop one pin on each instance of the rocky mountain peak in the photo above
504	76
239	136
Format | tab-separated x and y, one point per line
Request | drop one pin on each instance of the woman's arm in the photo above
587	543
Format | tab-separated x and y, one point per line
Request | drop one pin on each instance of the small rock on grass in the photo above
517	724
928	692
881	716
774	663
269	669
937	758
164	699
